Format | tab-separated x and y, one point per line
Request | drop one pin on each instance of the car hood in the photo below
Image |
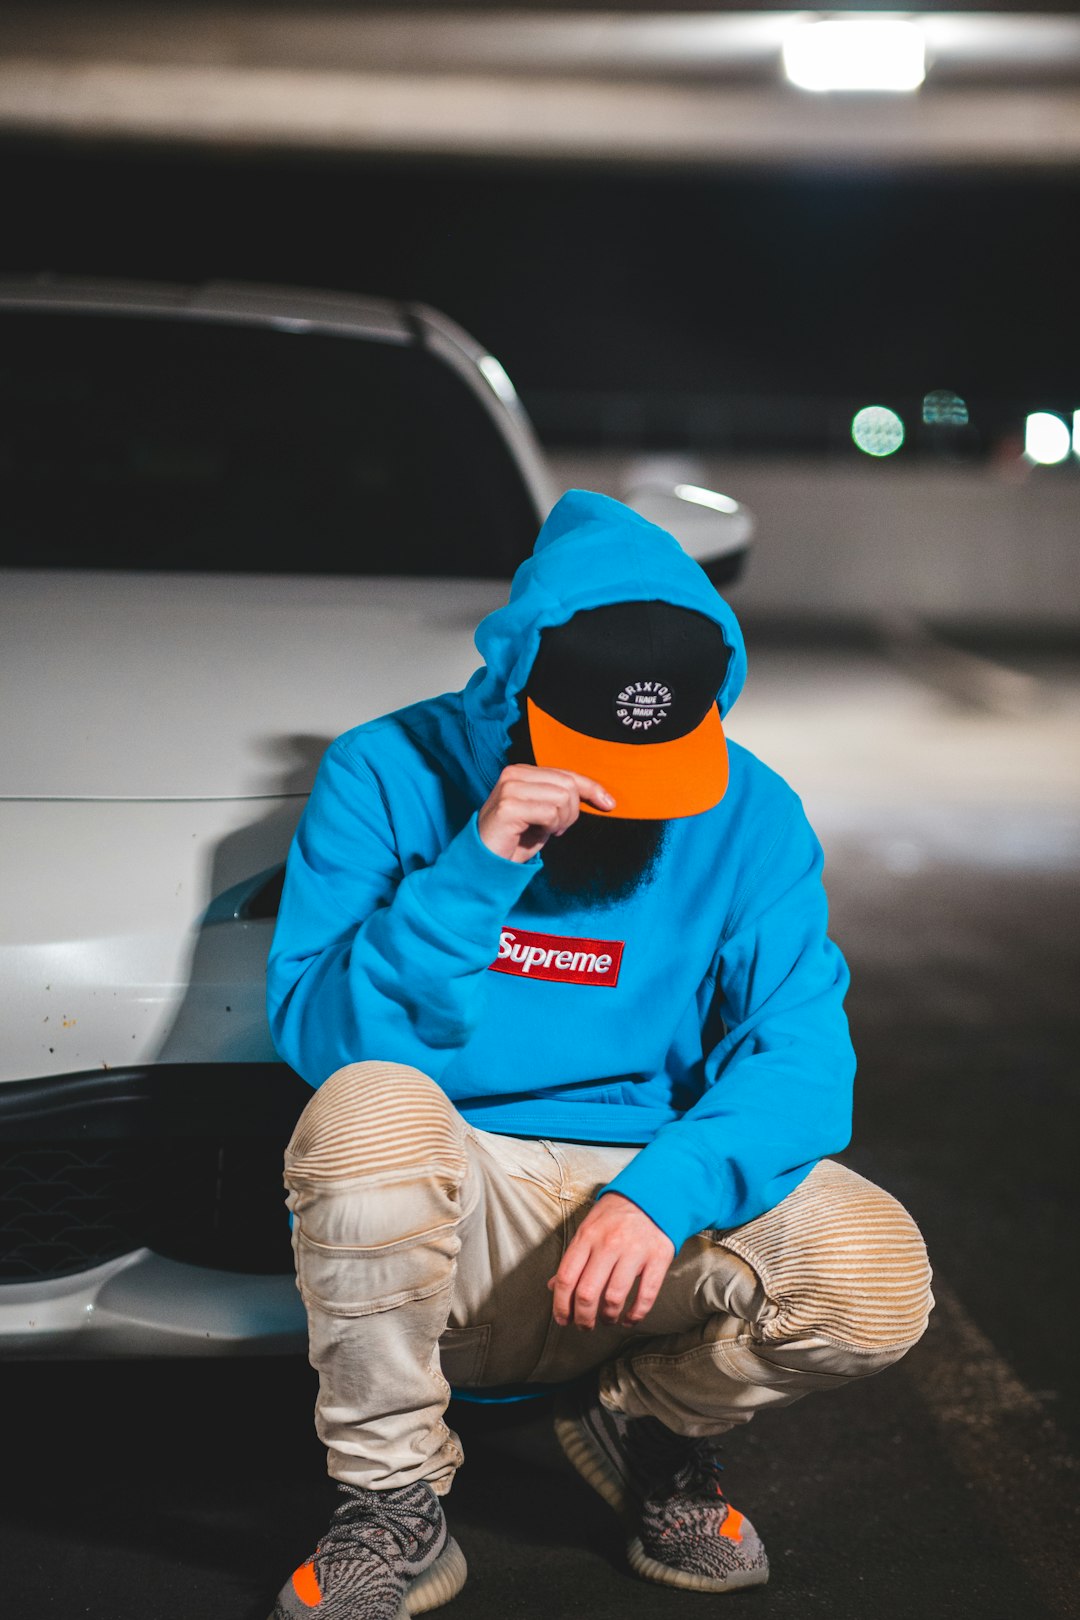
198	686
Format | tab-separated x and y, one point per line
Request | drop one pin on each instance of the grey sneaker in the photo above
682	1530
386	1555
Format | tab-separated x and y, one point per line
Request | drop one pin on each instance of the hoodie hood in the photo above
592	551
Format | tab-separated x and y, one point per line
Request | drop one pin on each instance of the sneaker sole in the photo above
652	1571
436	1585
583	1451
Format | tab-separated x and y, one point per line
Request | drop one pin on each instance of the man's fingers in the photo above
586	786
531	803
545	804
590	1289
618	1287
595	792
565	1280
648	1288
616	1246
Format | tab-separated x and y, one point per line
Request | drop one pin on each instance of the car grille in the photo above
66	1207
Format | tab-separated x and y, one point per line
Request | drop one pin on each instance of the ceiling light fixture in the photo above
863	55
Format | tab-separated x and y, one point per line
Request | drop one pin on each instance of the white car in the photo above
236	521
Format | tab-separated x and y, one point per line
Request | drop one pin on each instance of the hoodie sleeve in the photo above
778	1084
368	963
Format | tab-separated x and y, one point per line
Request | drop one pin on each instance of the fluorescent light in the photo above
706	497
855	56
1046	438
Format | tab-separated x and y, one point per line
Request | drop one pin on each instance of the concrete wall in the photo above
984	546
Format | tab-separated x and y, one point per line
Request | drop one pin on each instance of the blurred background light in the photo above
497	376
942	408
1076	433
706	497
1046	438
860	55
877	430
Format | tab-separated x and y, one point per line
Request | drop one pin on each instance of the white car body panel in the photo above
104	956
110	679
133	816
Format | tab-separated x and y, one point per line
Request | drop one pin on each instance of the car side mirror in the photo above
714	529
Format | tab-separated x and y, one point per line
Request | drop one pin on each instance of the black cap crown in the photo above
630	672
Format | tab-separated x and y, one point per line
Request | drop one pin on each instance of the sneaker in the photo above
386	1555
683	1531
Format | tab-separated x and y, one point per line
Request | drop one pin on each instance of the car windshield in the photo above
154	443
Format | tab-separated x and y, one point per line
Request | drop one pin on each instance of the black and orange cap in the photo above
626	694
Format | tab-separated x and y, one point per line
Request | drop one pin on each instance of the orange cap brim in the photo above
648	781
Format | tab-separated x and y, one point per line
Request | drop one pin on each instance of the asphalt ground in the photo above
947	801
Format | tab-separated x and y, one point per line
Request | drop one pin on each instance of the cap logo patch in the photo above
643	704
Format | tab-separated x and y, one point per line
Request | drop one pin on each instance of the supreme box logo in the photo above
553	956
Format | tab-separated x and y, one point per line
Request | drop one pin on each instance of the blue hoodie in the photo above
703	1016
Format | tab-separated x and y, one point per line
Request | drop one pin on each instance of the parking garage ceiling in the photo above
633	84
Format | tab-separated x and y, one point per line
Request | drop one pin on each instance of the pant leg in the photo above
833	1284
421	1247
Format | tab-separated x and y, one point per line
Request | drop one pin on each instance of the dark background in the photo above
631	307
594	285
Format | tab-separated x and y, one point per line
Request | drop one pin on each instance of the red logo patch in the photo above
553	956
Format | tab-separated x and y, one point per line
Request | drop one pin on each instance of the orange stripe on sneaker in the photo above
307	1587
732	1525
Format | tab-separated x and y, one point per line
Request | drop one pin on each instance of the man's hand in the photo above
530	804
615	1246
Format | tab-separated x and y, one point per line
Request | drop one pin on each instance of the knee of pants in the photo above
849	1267
376	1119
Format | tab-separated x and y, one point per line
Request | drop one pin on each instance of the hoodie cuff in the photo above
672	1188
469	889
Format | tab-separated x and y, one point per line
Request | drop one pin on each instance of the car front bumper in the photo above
142	1212
142	1304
